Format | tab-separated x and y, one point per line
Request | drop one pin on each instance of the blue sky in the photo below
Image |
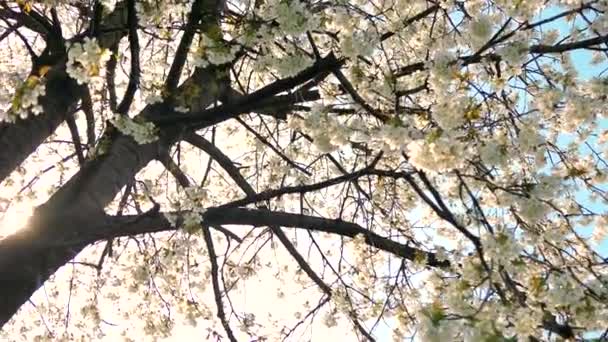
582	62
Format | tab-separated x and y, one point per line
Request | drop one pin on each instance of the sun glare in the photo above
14	219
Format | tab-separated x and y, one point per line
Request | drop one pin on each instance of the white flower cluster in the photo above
356	37
525	322
514	52
214	51
531	209
523	10
85	61
392	138
109	5
493	152
442	154
154	12
432	325
329	319
340	20
190	202
293	16
480	30
291	65
327	132
529	137
502	248
443	71
358	43
578	111
26	99
286	63
598	87
547	101
142	132
562	291
450	111
600	229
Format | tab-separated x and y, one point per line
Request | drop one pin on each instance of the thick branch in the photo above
134	76
175	72
537	49
134	225
18	140
254	101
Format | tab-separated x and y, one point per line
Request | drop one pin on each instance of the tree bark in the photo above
20	139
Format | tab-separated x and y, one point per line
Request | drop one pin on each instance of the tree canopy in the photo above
428	170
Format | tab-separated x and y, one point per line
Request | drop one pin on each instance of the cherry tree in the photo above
416	170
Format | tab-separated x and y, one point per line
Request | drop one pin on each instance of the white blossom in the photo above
86	60
142	132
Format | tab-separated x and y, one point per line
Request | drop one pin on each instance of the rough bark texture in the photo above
18	140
